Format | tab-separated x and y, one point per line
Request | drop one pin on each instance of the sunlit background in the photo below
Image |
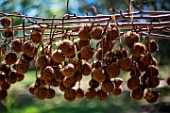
20	101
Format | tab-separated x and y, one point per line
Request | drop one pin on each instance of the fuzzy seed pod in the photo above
137	94
79	93
82	43
22	66
125	63
36	36
112	33
11	78
96	64
84	33
152	70
153	46
90	94
86	53
3	94
133	83
47	73
5	22
68	70
93	83
28	58
135	72
98	74
8	33
96	33
69	82
2	79
151	96
5	68
117	91
106	45
78	76
58	75
28	48
121	53
117	82
85	69
40	81
113	70
70	94
32	88
138	49
101	95
53	82
76	63
109	57
17	45
51	93
107	86
58	56
10	58
42	61
99	53
62	87
41	92
5	85
152	82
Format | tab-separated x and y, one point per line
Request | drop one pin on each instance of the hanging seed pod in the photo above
47	73
79	93
68	70
137	94
40	81
58	75
76	63
135	72
17	45
41	92
8	33
96	64
93	83
42	61
10	58
96	33
168	80
98	74
69	82
90	94
5	22
58	56
3	94
152	70
5	85
11	78
36	36
86	53
153	46
125	63
84	33
117	82
106	45
85	69
152	82
53	82
78	76
51	93
62	87
109	57
22	66
113	70
117	91
5	68
82	43
151	96
28	58
121	53
133	83
32	88
138	49
70	94
98	54
107	86
101	95
112	33
2	78
28	48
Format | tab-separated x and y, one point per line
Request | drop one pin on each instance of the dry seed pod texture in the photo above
5	22
84	33
112	33
96	33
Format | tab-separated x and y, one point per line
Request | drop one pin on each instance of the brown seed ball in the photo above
117	82
5	68
153	46
117	91
93	83
11	78
135	72
112	33
41	92
113	70
96	33
28	58
84	33
101	95
62	87
69	82
86	53
168	80
17	45
58	75
47	73
8	33
32	88
68	70
28	48
90	94
51	93
5	22
70	94
76	63
36	36
78	76
121	52
109	57
137	94
3	94
58	56
96	64
131	38
79	93
53	82
85	69
138	49
5	85
133	83
42	61
106	45
22	66
99	53
10	58
82	43
107	86
40	81
98	74
152	82
151	96
152	70
67	47
2	78
125	63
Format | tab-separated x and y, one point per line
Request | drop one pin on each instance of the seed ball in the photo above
107	86
36	36
106	45
85	69
41	92
69	82
79	93
2	79
133	83
76	63
117	91
53	82
8	33
62	87
58	75
17	45
32	88
58	56
93	83
42	61
153	46
84	33
101	95
96	33
3	94
78	76
70	94
98	74
131	38
96	64
112	33
11	78
90	94
68	70
82	43
168	80
152	70
5	22
10	58
121	53
86	53
135	72
138	49
47	73
28	48
40	81
22	66
137	94
5	68
109	57
28	58
125	63
152	82
51	93
5	85
113	70
99	53
117	82
151	96
67	47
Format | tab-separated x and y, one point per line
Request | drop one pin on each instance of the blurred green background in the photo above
20	101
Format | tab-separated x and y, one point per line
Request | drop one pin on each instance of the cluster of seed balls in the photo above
65	66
